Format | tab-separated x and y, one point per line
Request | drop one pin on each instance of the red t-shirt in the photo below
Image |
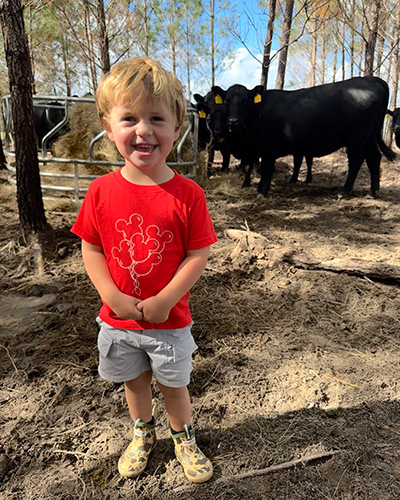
145	233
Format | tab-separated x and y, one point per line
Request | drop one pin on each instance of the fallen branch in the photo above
308	459
257	246
358	267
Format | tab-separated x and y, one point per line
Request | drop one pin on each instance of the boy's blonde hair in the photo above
136	80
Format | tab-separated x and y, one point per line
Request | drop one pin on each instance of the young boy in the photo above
146	233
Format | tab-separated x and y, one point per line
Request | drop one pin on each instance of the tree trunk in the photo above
335	59
344	52
146	29
36	230
395	59
360	50
89	42
323	53
379	54
268	43
30	46
314	50
352	34
287	25
103	36
212	35
187	54
372	36
172	34
394	63
64	52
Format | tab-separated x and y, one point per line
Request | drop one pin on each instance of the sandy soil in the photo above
297	370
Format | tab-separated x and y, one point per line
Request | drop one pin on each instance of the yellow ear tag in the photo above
218	99
257	98
202	114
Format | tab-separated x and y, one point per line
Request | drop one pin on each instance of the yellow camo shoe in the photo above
134	459
197	467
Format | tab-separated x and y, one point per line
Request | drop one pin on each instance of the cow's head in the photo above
395	124
242	105
204	135
396	120
217	116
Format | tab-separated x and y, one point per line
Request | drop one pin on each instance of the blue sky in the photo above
245	67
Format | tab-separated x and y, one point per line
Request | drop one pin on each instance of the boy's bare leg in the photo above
197	467
138	396
177	404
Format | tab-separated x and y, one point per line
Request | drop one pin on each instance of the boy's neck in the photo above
149	178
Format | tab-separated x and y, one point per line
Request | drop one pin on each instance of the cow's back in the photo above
322	119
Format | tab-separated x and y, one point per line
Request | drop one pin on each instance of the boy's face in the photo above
144	136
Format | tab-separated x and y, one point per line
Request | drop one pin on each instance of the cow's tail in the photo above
385	149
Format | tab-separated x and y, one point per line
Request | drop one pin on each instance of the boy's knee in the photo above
176	392
138	382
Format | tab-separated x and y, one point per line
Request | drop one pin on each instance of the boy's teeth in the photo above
145	148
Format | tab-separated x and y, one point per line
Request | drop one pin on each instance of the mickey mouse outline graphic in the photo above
139	250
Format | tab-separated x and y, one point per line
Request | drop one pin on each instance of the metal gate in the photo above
76	182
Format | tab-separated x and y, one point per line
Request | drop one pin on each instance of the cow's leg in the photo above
309	161
210	159
247	168
297	161
373	159
226	156
355	160
267	172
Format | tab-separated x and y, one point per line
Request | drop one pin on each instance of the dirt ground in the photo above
296	381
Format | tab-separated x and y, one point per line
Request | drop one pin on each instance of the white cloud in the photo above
240	67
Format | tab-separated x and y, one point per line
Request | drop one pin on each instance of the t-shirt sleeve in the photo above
85	225
201	230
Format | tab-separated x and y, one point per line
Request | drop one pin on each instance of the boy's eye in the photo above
157	119
128	119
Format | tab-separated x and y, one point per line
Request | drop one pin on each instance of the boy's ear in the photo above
107	128
177	132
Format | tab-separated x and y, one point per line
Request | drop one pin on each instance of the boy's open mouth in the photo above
145	148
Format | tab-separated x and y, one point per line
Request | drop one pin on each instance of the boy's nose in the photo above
143	128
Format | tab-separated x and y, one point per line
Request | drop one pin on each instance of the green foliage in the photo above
65	46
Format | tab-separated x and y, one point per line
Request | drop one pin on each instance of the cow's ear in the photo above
203	109
219	94
198	98
256	94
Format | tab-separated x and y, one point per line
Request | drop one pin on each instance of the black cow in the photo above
223	121
242	132
46	116
317	121
395	125
204	135
213	137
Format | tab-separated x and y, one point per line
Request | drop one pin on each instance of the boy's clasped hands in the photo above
153	309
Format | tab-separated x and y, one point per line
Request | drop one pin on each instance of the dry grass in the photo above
291	362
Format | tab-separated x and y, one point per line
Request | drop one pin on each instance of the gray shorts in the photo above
126	354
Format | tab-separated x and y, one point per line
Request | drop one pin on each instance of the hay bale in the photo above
84	125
